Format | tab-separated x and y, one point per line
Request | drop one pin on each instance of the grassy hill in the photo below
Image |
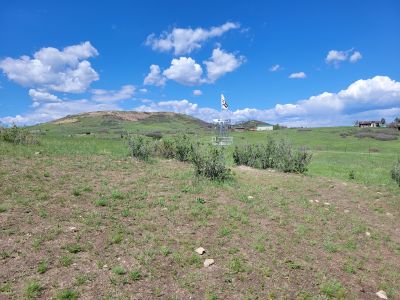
115	123
339	150
251	124
80	218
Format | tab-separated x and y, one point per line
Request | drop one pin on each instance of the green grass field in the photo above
79	218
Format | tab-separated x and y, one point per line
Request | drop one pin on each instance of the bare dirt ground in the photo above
106	228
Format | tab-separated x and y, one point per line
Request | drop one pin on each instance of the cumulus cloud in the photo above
155	77
356	56
335	57
364	99
126	92
39	97
298	75
220	63
197	92
185	40
54	70
275	68
185	71
52	111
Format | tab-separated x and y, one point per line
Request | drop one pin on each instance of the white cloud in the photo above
126	92
143	90
52	111
364	99
185	71
356	56
42	96
275	68
197	92
220	63
155	77
185	40
298	75
51	69
335	57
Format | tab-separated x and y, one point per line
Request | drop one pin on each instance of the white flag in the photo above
224	105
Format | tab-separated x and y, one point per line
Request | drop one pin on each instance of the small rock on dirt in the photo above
346	211
327	203
382	295
72	229
367	233
208	262
37	153
200	250
250	197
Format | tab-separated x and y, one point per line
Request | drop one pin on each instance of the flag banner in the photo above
224	104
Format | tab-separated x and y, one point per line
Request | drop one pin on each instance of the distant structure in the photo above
222	126
264	128
369	124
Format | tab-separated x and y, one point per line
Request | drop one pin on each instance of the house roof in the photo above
368	122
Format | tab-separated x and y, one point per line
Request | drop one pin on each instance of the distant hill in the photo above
118	122
251	124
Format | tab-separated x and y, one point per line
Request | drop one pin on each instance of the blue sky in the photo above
299	63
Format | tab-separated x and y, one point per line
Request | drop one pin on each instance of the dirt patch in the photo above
120	228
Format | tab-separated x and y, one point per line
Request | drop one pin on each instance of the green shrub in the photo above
33	290
17	135
280	156
140	147
166	147
396	172
209	161
179	147
302	159
183	147
67	294
154	134
42	267
135	275
333	289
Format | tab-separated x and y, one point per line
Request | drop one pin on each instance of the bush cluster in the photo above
277	155
387	135
209	161
396	172
179	147
17	135
140	147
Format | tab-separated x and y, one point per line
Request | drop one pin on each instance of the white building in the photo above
265	128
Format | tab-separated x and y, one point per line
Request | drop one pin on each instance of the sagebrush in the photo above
395	172
140	147
17	135
209	162
277	155
179	147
